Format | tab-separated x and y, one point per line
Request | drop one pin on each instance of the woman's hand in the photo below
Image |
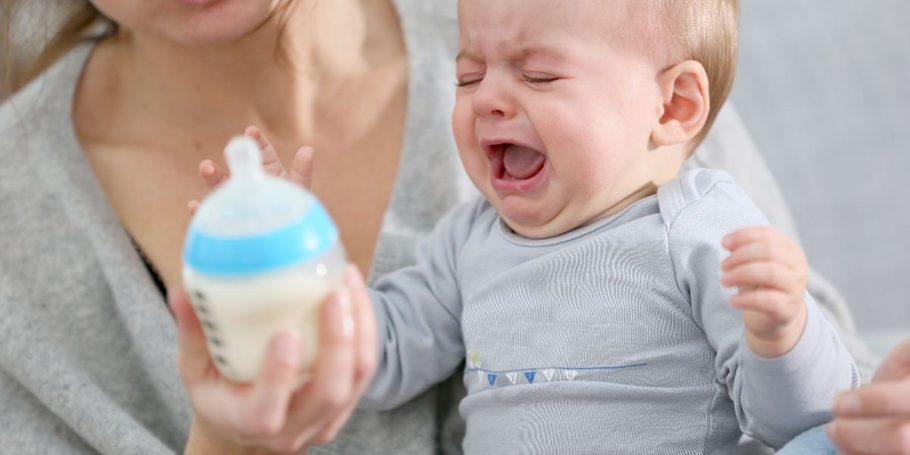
875	419
270	413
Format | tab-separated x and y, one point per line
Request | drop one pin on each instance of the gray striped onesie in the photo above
616	337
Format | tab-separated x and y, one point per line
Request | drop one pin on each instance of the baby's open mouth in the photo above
514	162
516	168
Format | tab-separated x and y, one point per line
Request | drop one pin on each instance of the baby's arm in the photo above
418	311
790	358
786	383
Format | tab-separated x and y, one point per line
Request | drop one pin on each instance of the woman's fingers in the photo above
365	318
211	174
885	399
273	389
193	353
366	327
212	399
271	412
250	412
875	419
301	171
896	365
872	436
270	160
331	387
331	429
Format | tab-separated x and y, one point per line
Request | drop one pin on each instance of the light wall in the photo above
824	88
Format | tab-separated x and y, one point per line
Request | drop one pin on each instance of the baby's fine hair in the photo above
706	31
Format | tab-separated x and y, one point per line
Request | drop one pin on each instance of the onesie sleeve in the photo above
775	399
418	311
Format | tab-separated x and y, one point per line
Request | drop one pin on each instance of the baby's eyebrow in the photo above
519	55
529	53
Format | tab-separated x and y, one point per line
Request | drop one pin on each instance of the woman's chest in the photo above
149	190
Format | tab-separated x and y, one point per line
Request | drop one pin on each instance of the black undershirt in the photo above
153	272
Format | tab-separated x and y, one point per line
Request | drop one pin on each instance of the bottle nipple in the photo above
244	159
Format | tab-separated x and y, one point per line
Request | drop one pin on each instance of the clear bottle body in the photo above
241	315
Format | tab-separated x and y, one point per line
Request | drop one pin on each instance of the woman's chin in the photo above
224	21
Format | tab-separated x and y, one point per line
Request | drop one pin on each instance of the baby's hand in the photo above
300	172
771	273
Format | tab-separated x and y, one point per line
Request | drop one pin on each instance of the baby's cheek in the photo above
472	158
581	143
476	167
461	115
570	125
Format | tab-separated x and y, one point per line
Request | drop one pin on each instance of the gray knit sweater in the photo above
87	345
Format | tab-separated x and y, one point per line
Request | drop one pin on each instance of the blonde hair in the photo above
706	31
19	70
77	26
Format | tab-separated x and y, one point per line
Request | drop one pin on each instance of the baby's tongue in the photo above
522	163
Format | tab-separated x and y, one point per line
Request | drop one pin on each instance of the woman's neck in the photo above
270	77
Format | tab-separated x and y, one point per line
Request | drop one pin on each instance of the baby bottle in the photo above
260	256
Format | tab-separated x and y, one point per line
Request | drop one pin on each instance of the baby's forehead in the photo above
607	21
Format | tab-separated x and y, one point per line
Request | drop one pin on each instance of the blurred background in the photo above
824	88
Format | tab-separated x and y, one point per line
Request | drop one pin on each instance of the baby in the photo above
584	291
589	292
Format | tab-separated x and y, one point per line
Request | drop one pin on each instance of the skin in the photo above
614	123
875	419
169	91
272	413
560	84
518	83
771	273
152	104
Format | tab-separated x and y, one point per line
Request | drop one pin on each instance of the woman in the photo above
875	419
100	154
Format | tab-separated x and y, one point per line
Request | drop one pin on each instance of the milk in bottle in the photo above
261	255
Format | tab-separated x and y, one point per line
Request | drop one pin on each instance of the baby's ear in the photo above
685	104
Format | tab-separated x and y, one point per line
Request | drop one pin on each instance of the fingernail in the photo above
848	405
286	347
726	242
831	430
